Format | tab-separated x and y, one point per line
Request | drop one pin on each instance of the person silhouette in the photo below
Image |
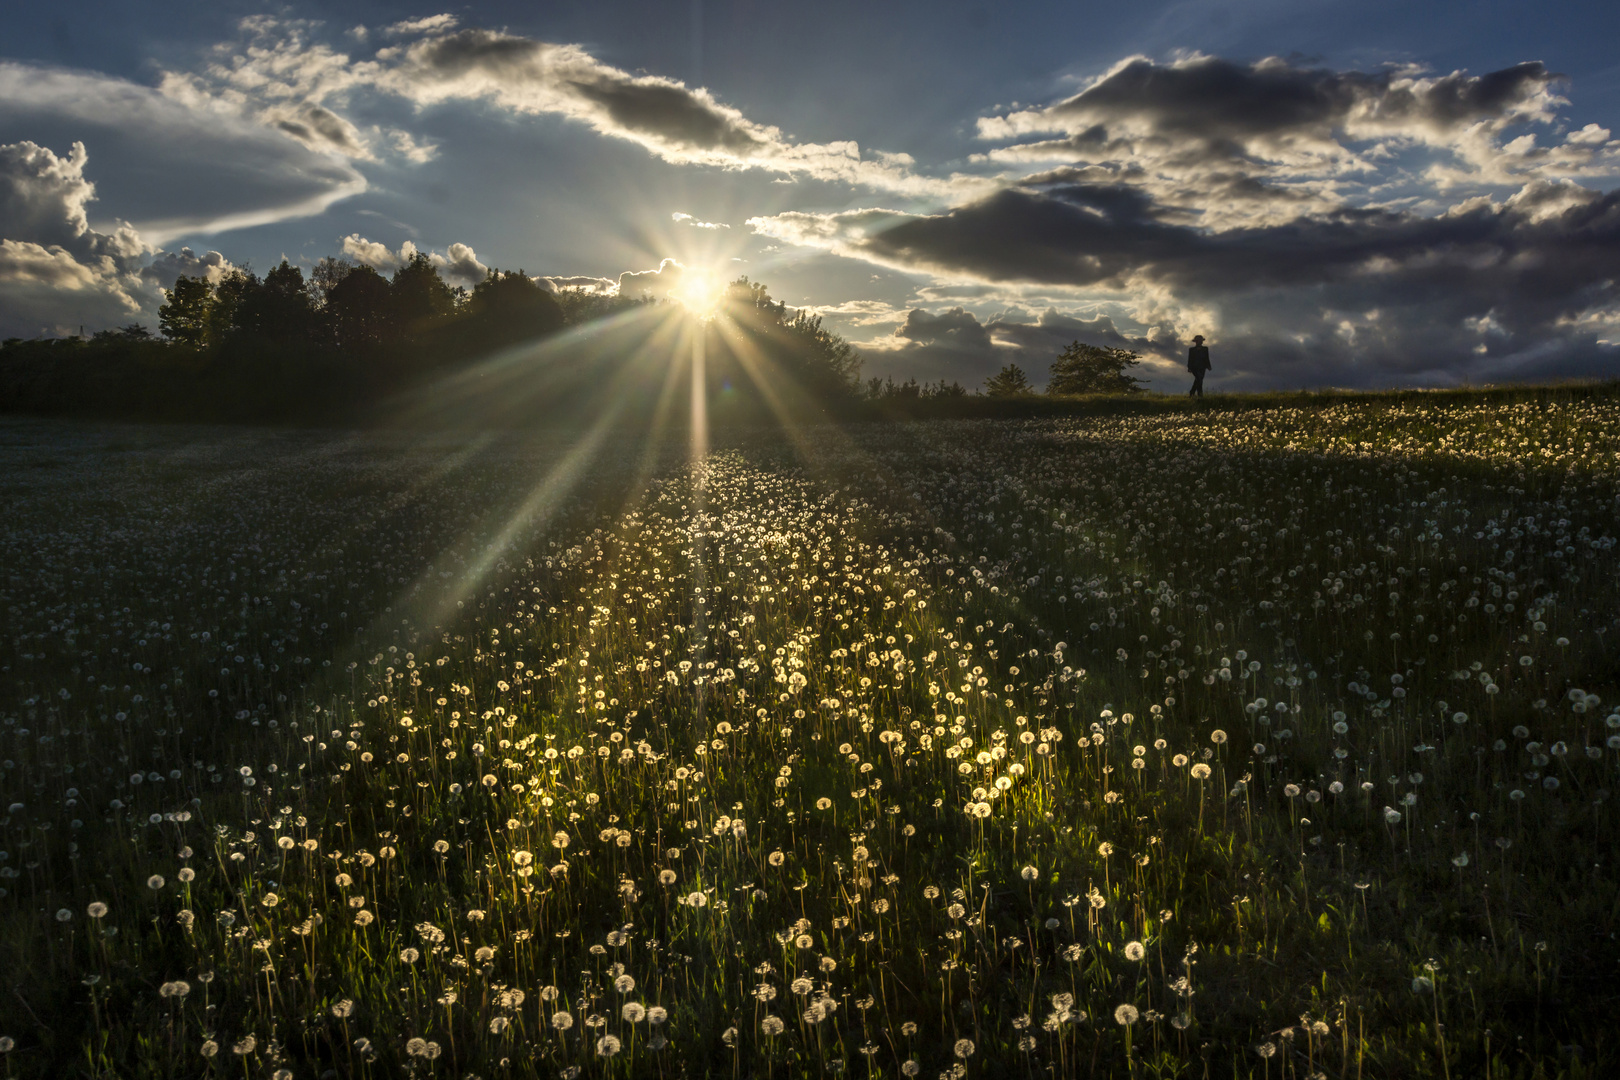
1197	363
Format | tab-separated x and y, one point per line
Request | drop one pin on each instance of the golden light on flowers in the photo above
794	810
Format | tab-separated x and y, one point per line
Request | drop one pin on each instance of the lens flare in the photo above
701	292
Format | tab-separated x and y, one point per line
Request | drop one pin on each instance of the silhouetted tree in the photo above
229	294
279	308
418	297
325	276
357	310
1093	369
1010	381
825	361
510	308
580	306
820	361
886	389
131	333
184	316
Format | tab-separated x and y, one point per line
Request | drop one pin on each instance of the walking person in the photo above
1197	363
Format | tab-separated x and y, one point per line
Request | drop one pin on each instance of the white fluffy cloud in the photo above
660	284
598	286
458	264
55	270
43	199
681	218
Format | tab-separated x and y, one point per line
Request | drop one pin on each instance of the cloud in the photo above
376	255
56	270
1229	145
43	199
956	329
28	263
427	25
320	129
599	286
406	145
168	266
1353	296
459	264
688	219
659	284
860	312
173	168
279	74
46	291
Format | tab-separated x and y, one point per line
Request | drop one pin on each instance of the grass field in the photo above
1274	740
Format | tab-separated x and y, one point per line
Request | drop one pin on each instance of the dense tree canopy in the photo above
346	338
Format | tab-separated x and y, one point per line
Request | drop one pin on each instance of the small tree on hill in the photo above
1094	369
1008	382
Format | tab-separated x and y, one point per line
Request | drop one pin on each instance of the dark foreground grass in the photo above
1230	742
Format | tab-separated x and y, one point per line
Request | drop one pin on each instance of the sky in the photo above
1355	194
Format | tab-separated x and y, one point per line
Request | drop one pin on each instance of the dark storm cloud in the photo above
1069	235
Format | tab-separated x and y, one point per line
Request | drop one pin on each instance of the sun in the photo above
701	292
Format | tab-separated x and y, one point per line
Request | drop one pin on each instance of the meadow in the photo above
1265	741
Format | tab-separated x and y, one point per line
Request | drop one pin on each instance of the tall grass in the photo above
1256	742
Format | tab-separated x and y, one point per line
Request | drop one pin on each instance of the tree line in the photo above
347	344
1079	369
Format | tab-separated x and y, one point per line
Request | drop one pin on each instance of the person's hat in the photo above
1198	337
